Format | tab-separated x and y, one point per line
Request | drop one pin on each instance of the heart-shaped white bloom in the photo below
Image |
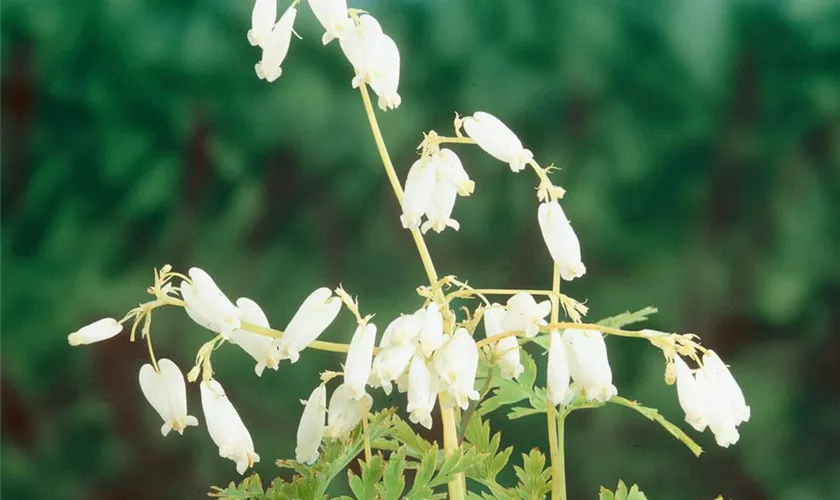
441	204
332	14
275	47
313	317
456	363
558	371
525	314
589	365
311	429
717	412
422	392
359	358
726	386
97	331
418	192
166	391
226	427
692	395
208	306
450	167
505	351
345	412
260	347
262	20
398	345
361	46
431	329
561	240
385	77
497	139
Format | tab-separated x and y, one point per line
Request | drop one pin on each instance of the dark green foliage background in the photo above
698	141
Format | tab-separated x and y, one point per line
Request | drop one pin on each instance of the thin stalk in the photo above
554	452
365	431
561	453
450	445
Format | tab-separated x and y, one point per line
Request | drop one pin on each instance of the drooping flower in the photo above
506	350
561	240
345	412
359	358
226	427
558	371
166	391
456	363
311	429
385	79
260	347
441	204
418	192
450	167
497	139
431	329
398	345
97	331
332	14
262	21
693	396
208	306
725	384
361	47
313	317
422	392
589	365
275	47
525	314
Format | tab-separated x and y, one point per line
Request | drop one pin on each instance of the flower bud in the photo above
497	139
166	391
525	314
97	331
311	429
313	317
208	306
561	240
456	363
226	427
262	20
422	392
345	412
558	371
259	347
506	350
589	365
275	47
359	358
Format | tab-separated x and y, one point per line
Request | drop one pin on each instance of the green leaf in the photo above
653	414
420	489
455	464
621	493
606	494
250	487
508	392
415	445
364	486
393	482
627	318
478	438
534	478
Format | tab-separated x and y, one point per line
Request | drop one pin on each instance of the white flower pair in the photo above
433	183
579	356
272	37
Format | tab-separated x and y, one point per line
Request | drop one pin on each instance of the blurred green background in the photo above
699	142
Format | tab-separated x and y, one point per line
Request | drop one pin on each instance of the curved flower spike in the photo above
431	329
97	331
418	192
497	139
311	429
449	165
332	14
505	351
558	371
313	317
345	412
589	365
525	314
275	47
262	20
226	427
456	364
561	240
361	47
259	347
422	392
386	73
208	306
166	391
441	204
359	358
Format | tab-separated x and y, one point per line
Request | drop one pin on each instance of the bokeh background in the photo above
698	141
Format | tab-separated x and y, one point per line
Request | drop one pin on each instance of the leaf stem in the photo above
450	445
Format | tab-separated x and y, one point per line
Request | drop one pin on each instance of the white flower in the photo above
431	329
497	139
262	20
441	204
456	363
275	47
422	392
505	351
332	14
450	167
418	192
561	240
226	427
589	365
166	391
361	47
260	347
401	331
693	395
309	322
725	384
359	358
525	314
345	412
398	345
385	78
558	371
98	331
717	413
207	305
311	429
